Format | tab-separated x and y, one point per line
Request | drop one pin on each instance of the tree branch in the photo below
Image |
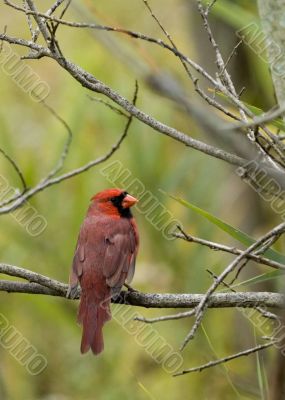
40	284
232	250
227	359
159	300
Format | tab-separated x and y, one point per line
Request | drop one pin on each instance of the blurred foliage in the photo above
31	135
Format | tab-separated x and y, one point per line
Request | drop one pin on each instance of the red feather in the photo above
104	259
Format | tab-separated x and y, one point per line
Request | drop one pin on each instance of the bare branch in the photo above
257	121
172	317
40	284
109	105
40	22
65	150
227	359
227	249
16	168
58	287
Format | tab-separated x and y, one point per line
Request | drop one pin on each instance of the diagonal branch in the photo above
227	249
227	359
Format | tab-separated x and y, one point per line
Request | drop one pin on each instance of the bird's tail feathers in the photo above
92	315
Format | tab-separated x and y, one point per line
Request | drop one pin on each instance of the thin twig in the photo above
17	169
227	359
227	249
109	105
67	144
233	52
260	120
180	315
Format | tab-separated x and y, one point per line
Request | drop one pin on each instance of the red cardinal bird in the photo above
104	260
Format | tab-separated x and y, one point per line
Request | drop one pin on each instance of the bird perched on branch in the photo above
104	260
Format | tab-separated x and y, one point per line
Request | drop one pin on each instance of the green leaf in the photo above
278	122
261	374
145	390
223	366
269	276
233	232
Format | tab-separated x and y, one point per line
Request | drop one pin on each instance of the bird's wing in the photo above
110	256
135	244
119	257
77	264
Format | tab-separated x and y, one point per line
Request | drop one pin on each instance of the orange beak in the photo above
129	201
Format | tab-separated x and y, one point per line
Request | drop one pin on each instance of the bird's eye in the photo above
112	199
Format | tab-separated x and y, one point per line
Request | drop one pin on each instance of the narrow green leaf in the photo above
224	367
233	232
278	122
145	390
269	276
261	376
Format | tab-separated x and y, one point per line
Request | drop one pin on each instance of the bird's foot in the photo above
73	292
130	289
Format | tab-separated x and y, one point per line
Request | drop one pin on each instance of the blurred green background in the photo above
34	138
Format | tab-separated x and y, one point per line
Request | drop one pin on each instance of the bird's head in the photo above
114	201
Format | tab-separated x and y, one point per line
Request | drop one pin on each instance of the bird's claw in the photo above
73	292
130	289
